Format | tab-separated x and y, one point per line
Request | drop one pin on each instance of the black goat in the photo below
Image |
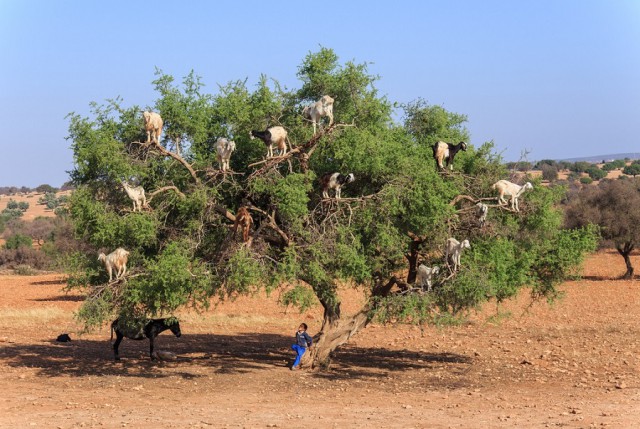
150	331
443	151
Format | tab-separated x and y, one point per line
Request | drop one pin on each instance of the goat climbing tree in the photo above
397	213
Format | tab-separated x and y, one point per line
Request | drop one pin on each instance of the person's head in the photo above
302	327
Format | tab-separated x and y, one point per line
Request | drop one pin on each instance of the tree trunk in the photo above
412	256
337	331
625	250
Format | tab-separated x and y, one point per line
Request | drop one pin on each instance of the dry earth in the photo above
574	364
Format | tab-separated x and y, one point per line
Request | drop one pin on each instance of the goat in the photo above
244	220
443	151
153	125
224	149
136	193
481	213
505	187
315	111
425	276
334	181
116	259
453	250
272	136
150	330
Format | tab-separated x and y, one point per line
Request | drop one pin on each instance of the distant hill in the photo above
606	158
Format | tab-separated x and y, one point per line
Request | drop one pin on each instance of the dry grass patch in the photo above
30	317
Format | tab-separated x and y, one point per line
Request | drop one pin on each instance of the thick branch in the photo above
273	225
302	149
175	156
164	189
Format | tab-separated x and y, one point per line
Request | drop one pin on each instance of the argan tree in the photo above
614	205
397	213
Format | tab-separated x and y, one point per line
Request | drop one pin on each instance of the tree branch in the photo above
175	156
164	189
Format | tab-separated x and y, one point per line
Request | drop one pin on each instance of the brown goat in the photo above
244	220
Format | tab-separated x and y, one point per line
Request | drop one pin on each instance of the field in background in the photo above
35	210
573	364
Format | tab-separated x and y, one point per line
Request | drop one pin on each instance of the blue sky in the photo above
560	78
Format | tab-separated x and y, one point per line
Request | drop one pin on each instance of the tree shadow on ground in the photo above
62	298
605	278
349	362
218	354
49	282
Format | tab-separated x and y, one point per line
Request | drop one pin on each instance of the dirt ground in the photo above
573	364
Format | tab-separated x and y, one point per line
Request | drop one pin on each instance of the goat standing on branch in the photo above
315	111
425	275
115	260
445	152
334	181
224	149
244	220
136	193
481	213
453	251
505	187
274	136
153	126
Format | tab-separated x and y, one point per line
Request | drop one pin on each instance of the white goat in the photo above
272	136
453	250
315	111
481	213
116	259
425	275
153	125
505	187
224	149
136	193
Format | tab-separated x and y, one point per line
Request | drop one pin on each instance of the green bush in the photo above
586	180
18	240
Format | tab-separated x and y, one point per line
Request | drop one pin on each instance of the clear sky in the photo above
560	78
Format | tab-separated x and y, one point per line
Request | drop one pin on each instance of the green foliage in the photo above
595	173
300	297
580	166
16	241
632	170
46	189
614	165
586	180
183	251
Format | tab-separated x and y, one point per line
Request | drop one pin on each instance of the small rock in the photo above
621	385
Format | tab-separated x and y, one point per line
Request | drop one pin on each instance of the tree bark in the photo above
337	331
625	250
412	256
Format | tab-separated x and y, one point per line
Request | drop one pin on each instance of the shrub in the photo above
549	172
18	240
46	189
24	270
595	173
632	170
11	258
586	180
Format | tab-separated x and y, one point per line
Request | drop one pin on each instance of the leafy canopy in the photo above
182	249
